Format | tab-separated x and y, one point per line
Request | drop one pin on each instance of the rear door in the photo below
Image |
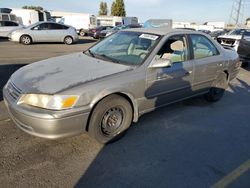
57	32
208	62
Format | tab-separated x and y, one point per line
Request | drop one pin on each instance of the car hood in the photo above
61	73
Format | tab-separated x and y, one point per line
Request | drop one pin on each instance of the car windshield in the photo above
237	32
130	48
117	28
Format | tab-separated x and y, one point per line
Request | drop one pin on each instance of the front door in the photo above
169	84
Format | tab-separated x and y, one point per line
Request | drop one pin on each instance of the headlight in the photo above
52	102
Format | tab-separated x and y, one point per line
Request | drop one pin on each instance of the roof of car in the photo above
161	31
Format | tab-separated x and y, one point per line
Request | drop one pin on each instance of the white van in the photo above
27	16
82	22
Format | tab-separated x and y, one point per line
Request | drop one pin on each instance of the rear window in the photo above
5	17
13	17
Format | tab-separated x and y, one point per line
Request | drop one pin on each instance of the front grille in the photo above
13	91
225	41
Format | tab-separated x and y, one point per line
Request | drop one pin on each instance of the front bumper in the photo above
48	125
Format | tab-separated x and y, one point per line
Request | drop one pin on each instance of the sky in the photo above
198	11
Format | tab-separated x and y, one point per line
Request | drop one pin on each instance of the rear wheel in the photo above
217	91
26	39
110	119
68	40
244	64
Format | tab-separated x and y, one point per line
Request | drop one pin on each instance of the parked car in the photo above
29	16
232	39
45	32
215	34
6	27
102	90
244	49
95	32
204	31
106	33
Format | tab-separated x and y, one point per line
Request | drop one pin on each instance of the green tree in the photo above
118	8
33	7
103	9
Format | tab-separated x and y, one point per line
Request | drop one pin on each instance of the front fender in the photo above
129	96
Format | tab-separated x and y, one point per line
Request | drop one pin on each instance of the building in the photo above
248	22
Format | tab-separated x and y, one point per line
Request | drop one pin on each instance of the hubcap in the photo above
112	121
26	40
68	40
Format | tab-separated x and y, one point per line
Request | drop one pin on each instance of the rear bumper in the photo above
47	125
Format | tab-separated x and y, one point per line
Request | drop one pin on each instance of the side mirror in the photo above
36	28
161	63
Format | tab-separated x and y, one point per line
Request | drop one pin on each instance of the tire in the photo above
110	119
244	64
68	40
82	33
26	40
217	91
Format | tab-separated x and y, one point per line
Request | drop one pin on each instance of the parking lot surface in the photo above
189	144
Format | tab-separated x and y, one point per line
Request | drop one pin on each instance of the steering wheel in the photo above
142	54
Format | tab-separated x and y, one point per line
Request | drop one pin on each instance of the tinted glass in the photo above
56	26
7	23
43	26
203	47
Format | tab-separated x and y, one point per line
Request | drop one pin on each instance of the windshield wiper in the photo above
91	53
103	56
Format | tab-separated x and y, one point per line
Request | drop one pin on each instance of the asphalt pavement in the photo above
190	144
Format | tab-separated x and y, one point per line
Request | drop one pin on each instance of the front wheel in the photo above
218	89
26	40
110	119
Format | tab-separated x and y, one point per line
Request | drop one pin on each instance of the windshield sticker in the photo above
148	36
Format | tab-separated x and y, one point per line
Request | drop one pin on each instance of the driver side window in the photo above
175	49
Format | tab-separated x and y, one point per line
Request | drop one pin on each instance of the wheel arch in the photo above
227	73
26	35
125	95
